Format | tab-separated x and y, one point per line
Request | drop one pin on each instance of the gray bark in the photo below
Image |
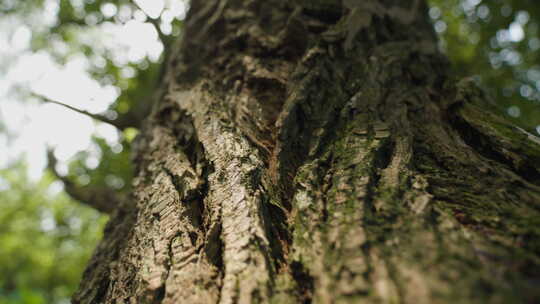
319	152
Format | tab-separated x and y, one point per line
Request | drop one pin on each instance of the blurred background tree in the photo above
102	59
45	238
80	75
498	43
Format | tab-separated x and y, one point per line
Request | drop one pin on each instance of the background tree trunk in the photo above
318	152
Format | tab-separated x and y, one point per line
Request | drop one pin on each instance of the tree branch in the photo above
103	199
98	117
155	23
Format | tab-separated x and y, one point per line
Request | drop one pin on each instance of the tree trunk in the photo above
313	151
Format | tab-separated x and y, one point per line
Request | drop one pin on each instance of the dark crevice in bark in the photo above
101	291
214	246
203	192
310	108
381	159
270	94
181	126
325	169
304	280
176	180
384	154
327	16
278	234
482	144
159	294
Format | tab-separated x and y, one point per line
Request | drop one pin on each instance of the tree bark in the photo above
314	151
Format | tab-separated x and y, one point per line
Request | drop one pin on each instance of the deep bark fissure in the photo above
482	144
305	282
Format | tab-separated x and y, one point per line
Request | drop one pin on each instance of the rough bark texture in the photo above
316	151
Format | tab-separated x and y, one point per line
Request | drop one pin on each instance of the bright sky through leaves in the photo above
38	125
